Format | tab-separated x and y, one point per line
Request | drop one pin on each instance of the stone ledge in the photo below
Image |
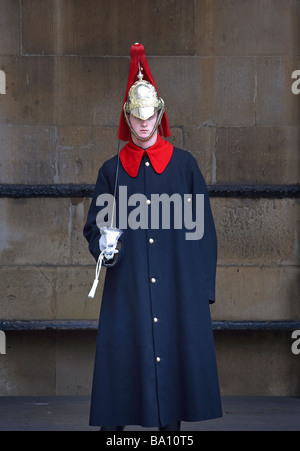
17	191
93	325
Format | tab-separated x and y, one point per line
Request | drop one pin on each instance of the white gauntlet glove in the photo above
107	244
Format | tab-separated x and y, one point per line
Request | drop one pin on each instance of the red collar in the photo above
159	154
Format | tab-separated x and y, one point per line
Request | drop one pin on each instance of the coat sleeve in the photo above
91	230
208	247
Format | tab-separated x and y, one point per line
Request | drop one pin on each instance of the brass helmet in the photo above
143	102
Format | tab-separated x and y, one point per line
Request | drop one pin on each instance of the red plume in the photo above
137	56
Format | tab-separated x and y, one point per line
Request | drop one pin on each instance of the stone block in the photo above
276	105
30	91
295	27
73	136
63	91
182	83
27	154
201	142
48	363
81	164
35	231
200	91
99	28
257	363
89	91
232	91
9	27
177	137
75	354
247	27
28	368
44	231
253	293
257	231
261	155
27	292
80	254
72	289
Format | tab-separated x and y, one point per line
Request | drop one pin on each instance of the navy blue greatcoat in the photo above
155	359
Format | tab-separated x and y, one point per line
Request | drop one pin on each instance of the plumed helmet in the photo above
142	99
143	102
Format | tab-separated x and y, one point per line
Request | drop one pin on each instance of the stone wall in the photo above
224	70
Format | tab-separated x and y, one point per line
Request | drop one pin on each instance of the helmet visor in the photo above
143	113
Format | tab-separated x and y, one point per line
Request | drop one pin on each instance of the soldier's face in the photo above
143	128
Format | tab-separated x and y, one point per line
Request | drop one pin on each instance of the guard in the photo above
155	362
